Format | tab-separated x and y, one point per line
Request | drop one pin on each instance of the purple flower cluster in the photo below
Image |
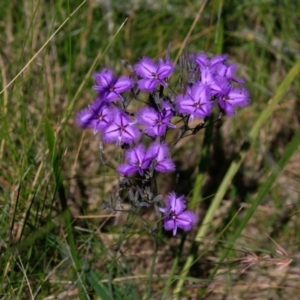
211	82
215	83
114	123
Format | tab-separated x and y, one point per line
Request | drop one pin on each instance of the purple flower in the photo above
231	97
228	71
167	110
209	63
136	161
209	75
155	122
176	215
152	74
110	87
210	80
97	116
159	152
121	129
196	102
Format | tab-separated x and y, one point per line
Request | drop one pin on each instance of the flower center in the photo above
154	75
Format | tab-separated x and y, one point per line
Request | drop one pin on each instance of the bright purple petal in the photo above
126	169
130	134
145	68
202	60
156	131
123	84
166	165
207	77
239	97
170	224
186	220
165	69
227	107
228	71
158	151
136	154
184	104
147	116
218	59
167	110
85	118
147	85
103	79
176	204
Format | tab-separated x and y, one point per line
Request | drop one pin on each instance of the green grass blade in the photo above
55	159
290	150
94	279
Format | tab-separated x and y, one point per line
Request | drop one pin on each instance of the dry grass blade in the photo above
43	47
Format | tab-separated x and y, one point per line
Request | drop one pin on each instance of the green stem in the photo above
203	162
